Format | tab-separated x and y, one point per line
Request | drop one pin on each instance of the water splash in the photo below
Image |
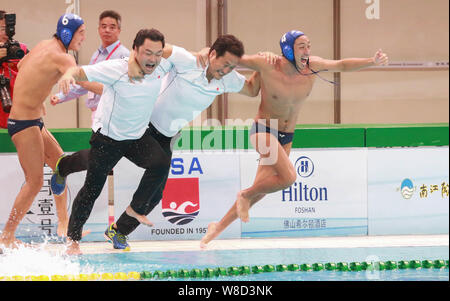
39	260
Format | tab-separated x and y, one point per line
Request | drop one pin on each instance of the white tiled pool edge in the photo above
270	243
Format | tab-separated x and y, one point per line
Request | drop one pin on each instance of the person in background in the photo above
8	69
109	27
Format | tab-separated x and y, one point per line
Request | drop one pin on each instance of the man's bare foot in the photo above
242	206
210	235
73	248
141	218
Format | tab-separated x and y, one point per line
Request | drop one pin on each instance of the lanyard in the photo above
109	55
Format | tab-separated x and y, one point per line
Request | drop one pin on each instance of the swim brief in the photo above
283	137
15	126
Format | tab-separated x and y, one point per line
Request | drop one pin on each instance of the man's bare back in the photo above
39	72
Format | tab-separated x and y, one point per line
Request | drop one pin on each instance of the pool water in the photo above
34	262
163	261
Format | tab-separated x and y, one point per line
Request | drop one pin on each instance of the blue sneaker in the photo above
118	240
57	182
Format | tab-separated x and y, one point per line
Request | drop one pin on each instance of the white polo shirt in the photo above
125	108
186	92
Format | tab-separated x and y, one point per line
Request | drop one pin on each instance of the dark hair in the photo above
111	14
2	14
230	43
152	34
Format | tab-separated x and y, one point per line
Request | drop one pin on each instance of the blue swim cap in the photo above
287	44
67	26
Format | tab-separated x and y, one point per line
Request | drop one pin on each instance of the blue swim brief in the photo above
15	126
283	137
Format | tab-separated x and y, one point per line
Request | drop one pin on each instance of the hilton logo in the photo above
300	191
304	167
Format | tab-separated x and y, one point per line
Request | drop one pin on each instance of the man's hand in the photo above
202	57
134	70
65	82
54	99
270	57
380	58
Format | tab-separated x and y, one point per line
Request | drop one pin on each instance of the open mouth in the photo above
221	73
150	65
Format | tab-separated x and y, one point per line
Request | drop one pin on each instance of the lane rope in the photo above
241	271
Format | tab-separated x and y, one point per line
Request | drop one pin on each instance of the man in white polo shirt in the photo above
120	123
187	90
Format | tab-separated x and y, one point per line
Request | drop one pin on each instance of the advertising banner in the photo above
201	188
408	191
329	197
41	220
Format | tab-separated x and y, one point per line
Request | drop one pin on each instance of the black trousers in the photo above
74	163
104	154
127	224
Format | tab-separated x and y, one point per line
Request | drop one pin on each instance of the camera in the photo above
13	50
5	97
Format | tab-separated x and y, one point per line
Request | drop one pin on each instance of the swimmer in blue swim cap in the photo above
296	48
40	70
296	52
285	86
66	29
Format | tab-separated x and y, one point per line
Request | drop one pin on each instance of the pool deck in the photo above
268	243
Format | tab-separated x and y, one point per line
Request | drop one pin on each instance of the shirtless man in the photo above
40	70
284	88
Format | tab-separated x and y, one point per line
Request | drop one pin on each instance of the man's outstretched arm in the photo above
349	64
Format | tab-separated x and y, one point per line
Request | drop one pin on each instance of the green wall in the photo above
306	136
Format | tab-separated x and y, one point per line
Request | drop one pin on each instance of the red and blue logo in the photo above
181	200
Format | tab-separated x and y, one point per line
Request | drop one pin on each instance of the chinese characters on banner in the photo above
425	192
305	223
44	210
